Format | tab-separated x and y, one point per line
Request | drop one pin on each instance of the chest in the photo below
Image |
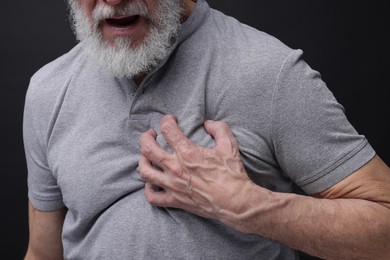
94	145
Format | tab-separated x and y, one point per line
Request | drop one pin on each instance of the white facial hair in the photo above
121	59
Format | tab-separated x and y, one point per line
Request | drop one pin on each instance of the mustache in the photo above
102	11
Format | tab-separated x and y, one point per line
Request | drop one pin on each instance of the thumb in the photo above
222	135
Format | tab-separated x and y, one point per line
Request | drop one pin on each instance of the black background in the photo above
344	40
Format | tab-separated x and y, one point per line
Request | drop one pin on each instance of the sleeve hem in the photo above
46	205
345	167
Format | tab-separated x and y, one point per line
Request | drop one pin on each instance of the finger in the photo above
156	198
168	199
173	134
161	198
148	172
222	134
152	150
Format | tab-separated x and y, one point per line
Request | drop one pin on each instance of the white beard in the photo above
121	59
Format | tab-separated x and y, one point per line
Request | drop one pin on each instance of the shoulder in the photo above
48	87
242	55
250	44
50	82
48	79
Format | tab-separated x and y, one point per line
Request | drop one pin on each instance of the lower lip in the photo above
128	30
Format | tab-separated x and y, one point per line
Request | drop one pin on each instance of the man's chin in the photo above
120	56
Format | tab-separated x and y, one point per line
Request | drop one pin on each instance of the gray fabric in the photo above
82	127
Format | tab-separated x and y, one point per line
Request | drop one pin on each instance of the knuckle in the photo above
146	150
166	127
176	170
144	174
161	161
190	154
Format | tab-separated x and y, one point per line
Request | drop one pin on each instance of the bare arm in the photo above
45	229
351	220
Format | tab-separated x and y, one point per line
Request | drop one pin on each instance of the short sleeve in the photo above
43	191
315	144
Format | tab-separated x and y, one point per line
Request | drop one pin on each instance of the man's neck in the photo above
188	7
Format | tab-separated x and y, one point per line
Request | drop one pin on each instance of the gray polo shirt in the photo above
82	128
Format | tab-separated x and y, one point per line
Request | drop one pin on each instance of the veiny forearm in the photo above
350	220
327	228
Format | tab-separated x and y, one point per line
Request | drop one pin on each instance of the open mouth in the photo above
123	22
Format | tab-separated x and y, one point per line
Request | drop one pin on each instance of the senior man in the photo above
257	162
